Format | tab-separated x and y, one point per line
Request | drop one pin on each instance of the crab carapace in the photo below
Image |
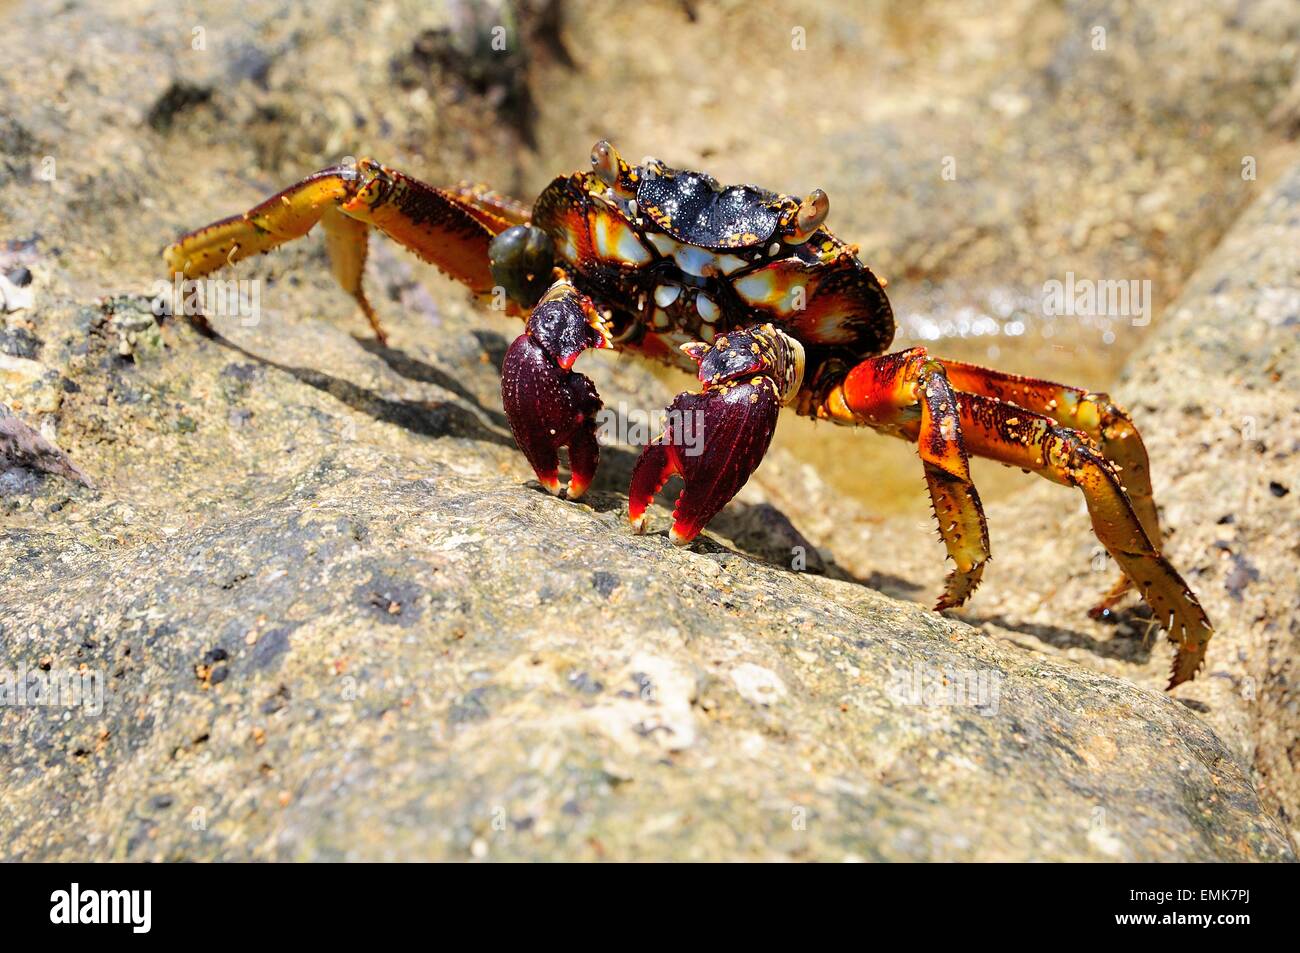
749	290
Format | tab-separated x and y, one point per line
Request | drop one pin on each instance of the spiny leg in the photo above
1012	435
1094	414
548	404
433	223
449	230
287	215
715	439
909	395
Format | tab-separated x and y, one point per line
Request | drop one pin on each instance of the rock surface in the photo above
391	660
334	617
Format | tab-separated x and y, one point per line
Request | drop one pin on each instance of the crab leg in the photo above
347	241
283	217
429	221
489	206
1094	414
451	230
875	393
908	394
1012	435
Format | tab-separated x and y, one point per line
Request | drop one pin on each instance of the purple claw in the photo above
550	406
715	439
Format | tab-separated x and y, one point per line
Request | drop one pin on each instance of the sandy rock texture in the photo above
320	607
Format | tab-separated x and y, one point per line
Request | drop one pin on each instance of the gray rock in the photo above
319	609
418	666
22	447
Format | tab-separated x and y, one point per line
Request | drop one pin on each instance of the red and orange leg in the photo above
451	229
1092	413
883	393
908	394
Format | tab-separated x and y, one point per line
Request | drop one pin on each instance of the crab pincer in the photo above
715	439
550	406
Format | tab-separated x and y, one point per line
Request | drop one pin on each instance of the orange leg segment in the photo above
1094	414
449	229
1034	442
910	395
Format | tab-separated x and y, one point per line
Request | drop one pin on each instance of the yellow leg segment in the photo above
448	229
1020	438
1094	414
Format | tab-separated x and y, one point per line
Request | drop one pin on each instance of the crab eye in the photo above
812	212
605	162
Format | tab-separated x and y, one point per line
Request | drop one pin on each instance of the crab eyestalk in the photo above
612	170
809	217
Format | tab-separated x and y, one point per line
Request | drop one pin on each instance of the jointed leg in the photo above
283	217
347	242
1018	437
451	230
1094	414
909	395
495	210
893	394
431	222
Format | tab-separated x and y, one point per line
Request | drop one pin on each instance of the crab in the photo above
749	290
